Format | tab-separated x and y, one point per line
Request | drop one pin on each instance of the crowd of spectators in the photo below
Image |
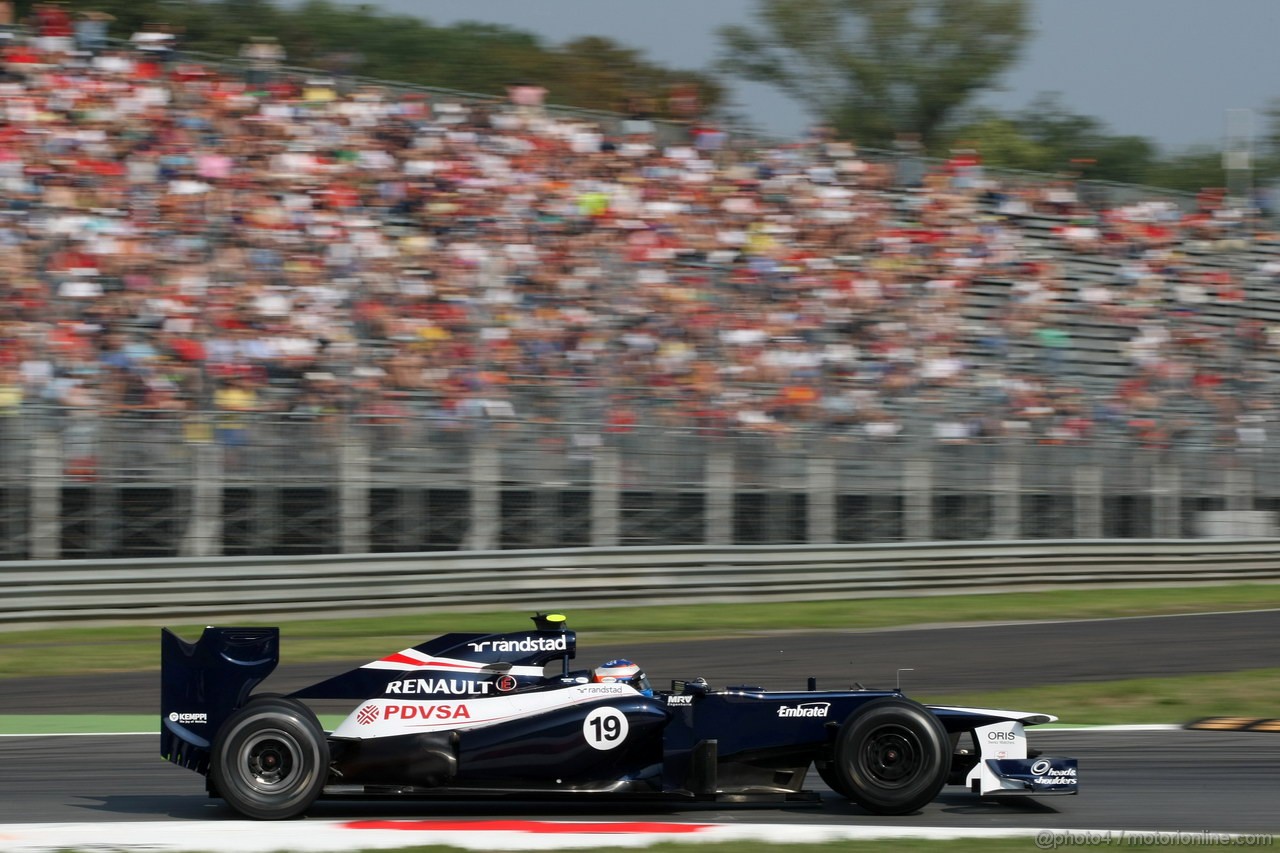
179	238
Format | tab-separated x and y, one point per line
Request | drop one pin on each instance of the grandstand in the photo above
348	315
1101	358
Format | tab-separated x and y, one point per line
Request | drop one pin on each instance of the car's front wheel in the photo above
891	757
827	773
270	759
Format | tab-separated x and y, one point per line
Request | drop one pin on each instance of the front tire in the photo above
827	773
892	757
270	759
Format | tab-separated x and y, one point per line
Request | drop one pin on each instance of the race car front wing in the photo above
1004	768
1037	776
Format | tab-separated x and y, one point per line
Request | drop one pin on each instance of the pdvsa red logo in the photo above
427	712
366	715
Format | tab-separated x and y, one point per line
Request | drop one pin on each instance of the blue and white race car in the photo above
483	715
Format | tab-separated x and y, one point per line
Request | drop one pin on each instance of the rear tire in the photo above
270	759
892	757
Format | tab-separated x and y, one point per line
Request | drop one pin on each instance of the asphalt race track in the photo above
1167	780
1193	781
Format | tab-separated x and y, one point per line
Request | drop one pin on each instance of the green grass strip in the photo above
97	724
77	724
897	845
1248	693
1030	841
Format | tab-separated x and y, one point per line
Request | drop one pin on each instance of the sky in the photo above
1168	70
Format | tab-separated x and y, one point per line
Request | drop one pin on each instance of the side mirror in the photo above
697	686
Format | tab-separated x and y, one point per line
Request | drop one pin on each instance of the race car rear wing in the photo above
202	683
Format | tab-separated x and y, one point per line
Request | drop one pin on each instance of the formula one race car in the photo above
483	715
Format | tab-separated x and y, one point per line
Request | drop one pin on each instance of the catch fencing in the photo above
76	485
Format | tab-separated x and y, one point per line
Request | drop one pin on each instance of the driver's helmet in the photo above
622	671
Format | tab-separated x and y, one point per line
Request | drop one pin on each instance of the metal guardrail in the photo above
203	590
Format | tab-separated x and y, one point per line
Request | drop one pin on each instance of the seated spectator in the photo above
494	264
91	30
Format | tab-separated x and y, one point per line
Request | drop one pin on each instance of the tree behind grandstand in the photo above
873	69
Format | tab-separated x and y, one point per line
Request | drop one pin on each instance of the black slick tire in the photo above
827	773
270	759
891	757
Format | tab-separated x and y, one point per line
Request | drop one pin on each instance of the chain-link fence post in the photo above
820	507
719	486
203	535
353	489
46	494
486	496
1166	501
1087	482
1006	487
606	473
917	488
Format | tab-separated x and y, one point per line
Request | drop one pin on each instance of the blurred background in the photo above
316	278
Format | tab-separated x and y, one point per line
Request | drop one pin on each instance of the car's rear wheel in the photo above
891	757
270	759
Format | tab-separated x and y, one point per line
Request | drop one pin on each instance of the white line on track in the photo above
320	836
1115	727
